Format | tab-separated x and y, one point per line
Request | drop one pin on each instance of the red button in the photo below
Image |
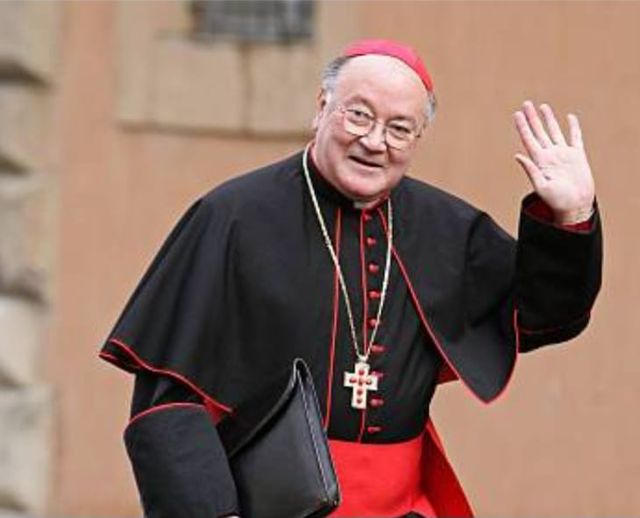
377	349
373	429
367	216
372	322
374	294
373	268
371	241
377	402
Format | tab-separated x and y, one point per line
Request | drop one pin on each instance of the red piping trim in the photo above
555	328
119	362
365	314
165	372
160	408
435	340
334	329
445	375
108	357
363	280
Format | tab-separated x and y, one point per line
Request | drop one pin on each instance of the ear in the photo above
322	100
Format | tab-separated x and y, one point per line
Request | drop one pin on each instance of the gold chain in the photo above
385	281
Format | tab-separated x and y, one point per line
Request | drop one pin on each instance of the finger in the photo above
527	137
536	177
555	132
575	133
536	124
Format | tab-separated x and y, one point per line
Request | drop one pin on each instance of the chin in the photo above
364	193
363	188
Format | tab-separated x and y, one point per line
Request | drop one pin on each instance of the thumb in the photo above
531	169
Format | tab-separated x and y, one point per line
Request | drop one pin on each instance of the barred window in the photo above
253	21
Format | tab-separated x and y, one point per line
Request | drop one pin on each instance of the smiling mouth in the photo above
366	163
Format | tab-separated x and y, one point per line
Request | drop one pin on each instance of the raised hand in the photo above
559	172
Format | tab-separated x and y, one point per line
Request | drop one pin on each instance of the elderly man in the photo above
335	256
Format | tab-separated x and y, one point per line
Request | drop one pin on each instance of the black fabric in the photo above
278	452
559	276
152	390
244	284
180	465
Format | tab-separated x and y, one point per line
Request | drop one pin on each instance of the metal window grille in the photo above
253	21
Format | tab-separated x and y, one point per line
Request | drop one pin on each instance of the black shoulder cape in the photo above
241	285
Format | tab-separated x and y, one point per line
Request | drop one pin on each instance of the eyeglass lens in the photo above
360	123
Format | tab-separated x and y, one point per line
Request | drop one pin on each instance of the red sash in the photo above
389	480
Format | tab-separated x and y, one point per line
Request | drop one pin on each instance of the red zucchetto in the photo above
394	49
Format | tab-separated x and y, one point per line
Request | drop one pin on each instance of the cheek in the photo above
342	140
332	142
339	149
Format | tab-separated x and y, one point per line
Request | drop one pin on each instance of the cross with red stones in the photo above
360	381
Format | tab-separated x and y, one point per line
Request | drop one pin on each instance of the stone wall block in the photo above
198	86
138	26
135	38
168	79
26	234
25	448
21	325
283	82
29	35
23	116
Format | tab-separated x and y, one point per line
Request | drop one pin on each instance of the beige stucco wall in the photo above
561	441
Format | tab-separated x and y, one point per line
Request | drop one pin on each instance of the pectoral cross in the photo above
360	381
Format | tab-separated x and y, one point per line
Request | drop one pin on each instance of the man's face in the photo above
366	168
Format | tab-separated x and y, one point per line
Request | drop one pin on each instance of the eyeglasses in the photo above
397	135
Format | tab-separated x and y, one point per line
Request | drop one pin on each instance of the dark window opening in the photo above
253	21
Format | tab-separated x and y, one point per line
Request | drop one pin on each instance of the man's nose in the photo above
375	140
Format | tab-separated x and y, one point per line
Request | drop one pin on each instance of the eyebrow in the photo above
361	100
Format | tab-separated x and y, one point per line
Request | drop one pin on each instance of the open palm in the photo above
559	172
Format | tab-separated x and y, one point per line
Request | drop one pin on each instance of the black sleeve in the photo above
179	464
558	276
152	390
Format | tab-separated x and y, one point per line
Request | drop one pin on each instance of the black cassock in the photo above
244	284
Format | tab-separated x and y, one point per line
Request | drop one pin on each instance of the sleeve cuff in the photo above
534	207
179	463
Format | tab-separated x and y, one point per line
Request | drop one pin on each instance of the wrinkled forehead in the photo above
377	65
